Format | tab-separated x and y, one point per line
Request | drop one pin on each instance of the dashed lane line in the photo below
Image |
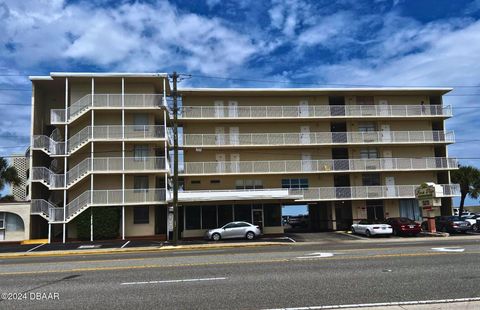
174	281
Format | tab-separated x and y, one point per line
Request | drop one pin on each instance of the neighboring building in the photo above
347	153
21	164
99	140
14	221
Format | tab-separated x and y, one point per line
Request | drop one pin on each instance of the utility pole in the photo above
175	158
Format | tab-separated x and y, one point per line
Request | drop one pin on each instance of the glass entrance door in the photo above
258	218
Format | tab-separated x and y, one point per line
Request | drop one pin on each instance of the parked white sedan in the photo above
372	228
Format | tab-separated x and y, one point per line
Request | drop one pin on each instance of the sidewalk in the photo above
466	305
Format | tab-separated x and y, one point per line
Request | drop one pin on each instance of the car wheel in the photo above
367	233
475	227
250	235
353	230
216	237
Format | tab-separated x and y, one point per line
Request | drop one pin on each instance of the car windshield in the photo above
455	218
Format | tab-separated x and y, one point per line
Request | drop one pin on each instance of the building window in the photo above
140	183
195	182
295	183
140	121
371	179
366	127
248	184
243	213
365	100
225	215
140	152
214	181
375	210
368	153
141	215
272	215
192	217
209	217
2	220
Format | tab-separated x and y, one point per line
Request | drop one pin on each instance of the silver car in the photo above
234	230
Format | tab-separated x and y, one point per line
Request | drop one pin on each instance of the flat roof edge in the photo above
444	89
108	74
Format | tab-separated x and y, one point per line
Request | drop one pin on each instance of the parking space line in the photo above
354	236
34	248
125	244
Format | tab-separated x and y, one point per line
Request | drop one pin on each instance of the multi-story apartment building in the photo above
102	141
347	153
99	140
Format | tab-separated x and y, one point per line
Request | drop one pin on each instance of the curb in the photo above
169	248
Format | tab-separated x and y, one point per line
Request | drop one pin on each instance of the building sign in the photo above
428	195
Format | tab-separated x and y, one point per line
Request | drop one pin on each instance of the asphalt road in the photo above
298	275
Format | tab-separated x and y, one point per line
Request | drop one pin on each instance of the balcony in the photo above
317	138
318	166
98	165
318	111
105	101
368	192
99	133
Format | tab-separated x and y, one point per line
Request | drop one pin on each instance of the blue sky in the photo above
287	42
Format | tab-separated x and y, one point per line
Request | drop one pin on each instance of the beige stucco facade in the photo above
16	225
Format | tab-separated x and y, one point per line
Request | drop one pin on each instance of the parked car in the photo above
298	221
404	226
449	224
472	219
234	230
371	228
464	213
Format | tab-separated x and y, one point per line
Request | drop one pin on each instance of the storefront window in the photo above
225	215
209	217
272	215
243	213
141	215
192	217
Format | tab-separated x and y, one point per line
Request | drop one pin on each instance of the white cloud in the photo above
156	35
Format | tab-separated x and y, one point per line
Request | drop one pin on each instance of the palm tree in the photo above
469	179
8	175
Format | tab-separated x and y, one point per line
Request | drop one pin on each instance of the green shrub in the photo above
106	223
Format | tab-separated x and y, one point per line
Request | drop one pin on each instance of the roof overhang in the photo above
314	91
99	74
236	195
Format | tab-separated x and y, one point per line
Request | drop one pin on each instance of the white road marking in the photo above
292	240
448	249
174	281
35	247
384	304
89	246
355	236
125	244
316	255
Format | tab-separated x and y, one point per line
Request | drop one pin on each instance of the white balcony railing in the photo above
105	101
368	192
92	133
317	138
324	165
318	111
114	198
100	165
